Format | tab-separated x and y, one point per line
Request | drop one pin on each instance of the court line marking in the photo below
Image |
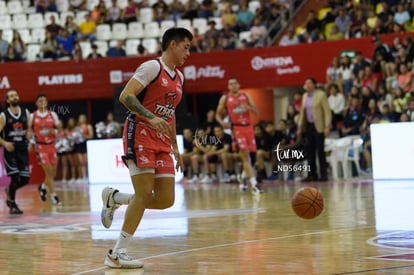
374	269
371	241
225	245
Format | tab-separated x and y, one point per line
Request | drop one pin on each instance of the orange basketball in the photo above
307	202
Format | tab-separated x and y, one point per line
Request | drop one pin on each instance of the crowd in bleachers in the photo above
77	29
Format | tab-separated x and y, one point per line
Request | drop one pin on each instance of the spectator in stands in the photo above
384	97
211	36
313	26
141	50
114	13
176	9
386	15
410	109
357	20
400	101
18	45
12	56
207	9
229	18
191	10
99	13
42	6
409	48
201	142
371	20
65	43
77	5
335	34
49	47
334	73
353	119
117	50
130	12
359	63
4	45
71	26
160	10
347	76
77	53
366	95
210	122
401	16
405	78
87	29
342	21
289	38
197	42
336	101
257	31
371	80
386	115
53	27
188	142
227	38
244	18
94	54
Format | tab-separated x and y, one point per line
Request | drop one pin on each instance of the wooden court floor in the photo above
366	228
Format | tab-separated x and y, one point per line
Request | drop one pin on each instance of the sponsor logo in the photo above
164	82
4	82
60	79
115	77
192	72
143	159
167	110
283	64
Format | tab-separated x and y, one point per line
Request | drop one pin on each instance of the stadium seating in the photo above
5	22
103	32
119	31
131	46
19	21
135	30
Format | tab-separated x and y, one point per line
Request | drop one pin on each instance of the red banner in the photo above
204	72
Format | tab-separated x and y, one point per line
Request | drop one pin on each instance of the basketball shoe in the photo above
109	206
14	209
256	190
54	199
121	260
42	192
242	182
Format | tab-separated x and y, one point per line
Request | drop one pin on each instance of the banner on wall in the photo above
204	72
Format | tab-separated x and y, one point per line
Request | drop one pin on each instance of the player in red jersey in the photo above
44	123
238	106
149	137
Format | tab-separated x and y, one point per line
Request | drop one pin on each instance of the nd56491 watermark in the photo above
289	159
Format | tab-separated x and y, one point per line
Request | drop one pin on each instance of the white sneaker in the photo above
256	190
109	206
206	179
226	178
242	183
193	179
121	260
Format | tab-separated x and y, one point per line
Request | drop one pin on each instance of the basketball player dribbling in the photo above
238	106
149	138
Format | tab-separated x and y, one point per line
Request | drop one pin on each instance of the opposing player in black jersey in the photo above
15	136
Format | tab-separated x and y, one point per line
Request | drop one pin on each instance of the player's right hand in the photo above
160	125
225	125
9	146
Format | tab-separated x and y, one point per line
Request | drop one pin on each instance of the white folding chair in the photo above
38	35
25	35
86	48
3	8
152	30
151	44
244	35
91	4
219	25
20	21
48	15
146	15
33	52
14	7
35	20
166	24
103	32
102	47
121	3
8	35
119	31
200	24
62	5
5	22
135	30
253	5
80	17
184	23
64	15
131	46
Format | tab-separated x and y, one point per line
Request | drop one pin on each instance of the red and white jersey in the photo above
163	88
237	109
44	126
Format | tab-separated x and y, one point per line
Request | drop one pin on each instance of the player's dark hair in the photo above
6	96
175	34
40	95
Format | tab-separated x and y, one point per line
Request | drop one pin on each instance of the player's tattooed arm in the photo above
133	104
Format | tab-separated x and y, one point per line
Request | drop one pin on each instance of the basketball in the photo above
307	202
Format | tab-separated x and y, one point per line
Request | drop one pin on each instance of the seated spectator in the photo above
371	20
384	97
176	9
355	25
386	15
400	101
42	6
191	9
197	42
211	35
386	115
289	38
336	101
207	9
4	45
77	53
71	26
366	95
244	18
99	13
94	54
333	72
342	21
410	109
117	51
49	46
313	26
12	56
77	5
188	141
160	10
227	38
405	78
353	119
335	34
87	29
257	31
401	16
66	42
141	50
130	12
114	13
229	18
18	45
371	80
53	27
346	75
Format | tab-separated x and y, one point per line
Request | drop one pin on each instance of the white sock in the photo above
122	243
52	195
253	181
122	198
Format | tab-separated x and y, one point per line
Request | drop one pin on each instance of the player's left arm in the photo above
251	105
55	122
29	133
173	136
